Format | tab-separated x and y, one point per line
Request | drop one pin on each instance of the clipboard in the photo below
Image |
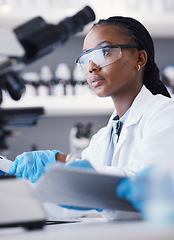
82	187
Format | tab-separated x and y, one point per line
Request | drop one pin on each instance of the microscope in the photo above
22	46
19	47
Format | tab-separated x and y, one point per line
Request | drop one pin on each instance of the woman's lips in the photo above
96	80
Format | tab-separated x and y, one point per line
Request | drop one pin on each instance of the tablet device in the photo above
81	188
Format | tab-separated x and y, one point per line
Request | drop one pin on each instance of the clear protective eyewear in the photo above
101	56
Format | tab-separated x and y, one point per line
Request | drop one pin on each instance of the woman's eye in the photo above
106	52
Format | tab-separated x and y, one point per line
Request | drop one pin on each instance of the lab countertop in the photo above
93	228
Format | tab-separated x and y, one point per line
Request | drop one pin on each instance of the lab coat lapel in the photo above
138	106
135	114
105	138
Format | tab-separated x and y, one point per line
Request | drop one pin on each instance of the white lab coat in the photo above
147	136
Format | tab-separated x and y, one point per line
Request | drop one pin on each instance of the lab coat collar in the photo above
137	108
135	114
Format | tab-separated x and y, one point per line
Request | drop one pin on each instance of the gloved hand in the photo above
135	189
31	165
81	164
151	192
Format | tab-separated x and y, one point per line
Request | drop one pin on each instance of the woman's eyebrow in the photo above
99	44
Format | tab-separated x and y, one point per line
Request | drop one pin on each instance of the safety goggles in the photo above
101	56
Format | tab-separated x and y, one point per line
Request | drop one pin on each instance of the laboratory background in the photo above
46	104
72	113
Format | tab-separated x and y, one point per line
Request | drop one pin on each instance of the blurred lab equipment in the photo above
80	80
19	206
168	77
39	83
33	40
79	138
32	82
63	77
24	45
17	118
46	79
78	75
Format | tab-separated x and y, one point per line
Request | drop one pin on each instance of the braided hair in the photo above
139	35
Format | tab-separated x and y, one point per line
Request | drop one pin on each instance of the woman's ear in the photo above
142	58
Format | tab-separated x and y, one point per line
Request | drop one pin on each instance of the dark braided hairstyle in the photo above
139	35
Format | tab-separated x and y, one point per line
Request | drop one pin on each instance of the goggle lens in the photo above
101	57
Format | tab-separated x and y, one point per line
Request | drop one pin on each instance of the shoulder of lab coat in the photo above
147	136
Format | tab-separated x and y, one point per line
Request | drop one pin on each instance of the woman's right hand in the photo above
31	165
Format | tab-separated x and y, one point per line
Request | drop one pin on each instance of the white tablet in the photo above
80	188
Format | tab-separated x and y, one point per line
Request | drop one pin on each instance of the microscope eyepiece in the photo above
39	38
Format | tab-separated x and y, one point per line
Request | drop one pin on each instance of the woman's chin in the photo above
101	94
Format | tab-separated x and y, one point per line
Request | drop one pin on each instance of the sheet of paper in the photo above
80	188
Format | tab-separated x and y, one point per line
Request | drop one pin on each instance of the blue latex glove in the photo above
80	164
135	189
2	173
152	193
31	165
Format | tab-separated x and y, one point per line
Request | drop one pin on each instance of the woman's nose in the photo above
93	67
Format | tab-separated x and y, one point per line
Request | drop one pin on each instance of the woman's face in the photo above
119	78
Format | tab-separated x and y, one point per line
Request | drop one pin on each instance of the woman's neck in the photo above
123	103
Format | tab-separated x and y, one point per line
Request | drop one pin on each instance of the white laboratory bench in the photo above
64	105
93	228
